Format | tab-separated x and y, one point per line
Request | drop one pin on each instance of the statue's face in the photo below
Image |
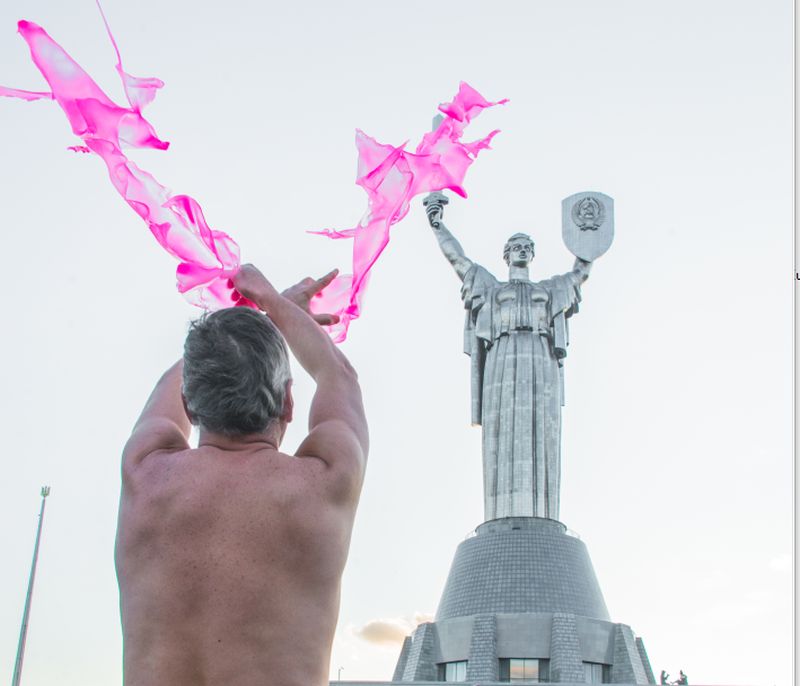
520	253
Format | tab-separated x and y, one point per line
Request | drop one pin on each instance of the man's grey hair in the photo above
235	372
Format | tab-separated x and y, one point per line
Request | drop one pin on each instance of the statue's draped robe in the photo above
516	335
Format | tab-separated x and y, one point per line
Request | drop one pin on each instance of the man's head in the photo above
518	250
236	373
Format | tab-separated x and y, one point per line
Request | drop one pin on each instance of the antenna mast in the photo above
23	632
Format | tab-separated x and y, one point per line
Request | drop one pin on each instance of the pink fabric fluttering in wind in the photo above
207	258
391	176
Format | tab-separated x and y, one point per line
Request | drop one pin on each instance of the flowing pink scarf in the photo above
208	258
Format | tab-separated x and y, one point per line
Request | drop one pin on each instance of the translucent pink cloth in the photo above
392	177
208	258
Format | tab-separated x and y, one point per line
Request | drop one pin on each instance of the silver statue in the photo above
516	336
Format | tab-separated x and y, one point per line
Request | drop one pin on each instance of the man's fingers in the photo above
326	319
325	280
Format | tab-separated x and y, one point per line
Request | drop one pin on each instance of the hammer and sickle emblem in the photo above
588	214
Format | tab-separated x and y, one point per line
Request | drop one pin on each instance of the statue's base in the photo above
438	683
522	596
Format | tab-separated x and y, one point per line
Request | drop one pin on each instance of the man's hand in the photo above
302	292
253	285
338	434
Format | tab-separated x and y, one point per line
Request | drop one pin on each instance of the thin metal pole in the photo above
23	632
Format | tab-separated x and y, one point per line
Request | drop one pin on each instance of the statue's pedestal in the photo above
522	595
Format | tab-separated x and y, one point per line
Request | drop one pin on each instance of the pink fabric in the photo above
207	257
391	177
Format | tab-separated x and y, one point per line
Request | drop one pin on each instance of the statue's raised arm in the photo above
580	270
450	247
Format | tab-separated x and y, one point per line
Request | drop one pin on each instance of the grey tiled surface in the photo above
627	667
523	587
421	662
565	649
400	667
522	564
483	664
468	682
648	670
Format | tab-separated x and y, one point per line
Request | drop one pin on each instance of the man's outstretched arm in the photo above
337	425
163	424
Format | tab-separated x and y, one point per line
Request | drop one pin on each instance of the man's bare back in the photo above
229	556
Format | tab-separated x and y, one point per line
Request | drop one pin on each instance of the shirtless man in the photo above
229	556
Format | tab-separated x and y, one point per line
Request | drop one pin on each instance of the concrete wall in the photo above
455	637
596	639
525	635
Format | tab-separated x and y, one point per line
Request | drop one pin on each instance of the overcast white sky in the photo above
677	431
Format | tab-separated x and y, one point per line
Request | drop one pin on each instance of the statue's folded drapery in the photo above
516	335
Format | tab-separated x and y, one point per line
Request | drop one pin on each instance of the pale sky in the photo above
677	452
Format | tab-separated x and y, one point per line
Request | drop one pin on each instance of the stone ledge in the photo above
462	683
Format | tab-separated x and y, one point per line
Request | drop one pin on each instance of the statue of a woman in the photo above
516	335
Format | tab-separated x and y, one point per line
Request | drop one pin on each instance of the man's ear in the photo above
186	409
288	403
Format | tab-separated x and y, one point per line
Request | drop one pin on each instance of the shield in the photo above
587	224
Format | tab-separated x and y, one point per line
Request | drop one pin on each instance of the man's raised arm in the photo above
163	424
337	426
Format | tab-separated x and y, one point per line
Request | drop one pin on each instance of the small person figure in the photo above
682	680
664	677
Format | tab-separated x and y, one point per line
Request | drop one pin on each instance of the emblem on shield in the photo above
587	224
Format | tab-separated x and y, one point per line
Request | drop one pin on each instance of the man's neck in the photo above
270	439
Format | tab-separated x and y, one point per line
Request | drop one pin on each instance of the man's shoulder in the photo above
153	467
266	477
153	436
336	450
